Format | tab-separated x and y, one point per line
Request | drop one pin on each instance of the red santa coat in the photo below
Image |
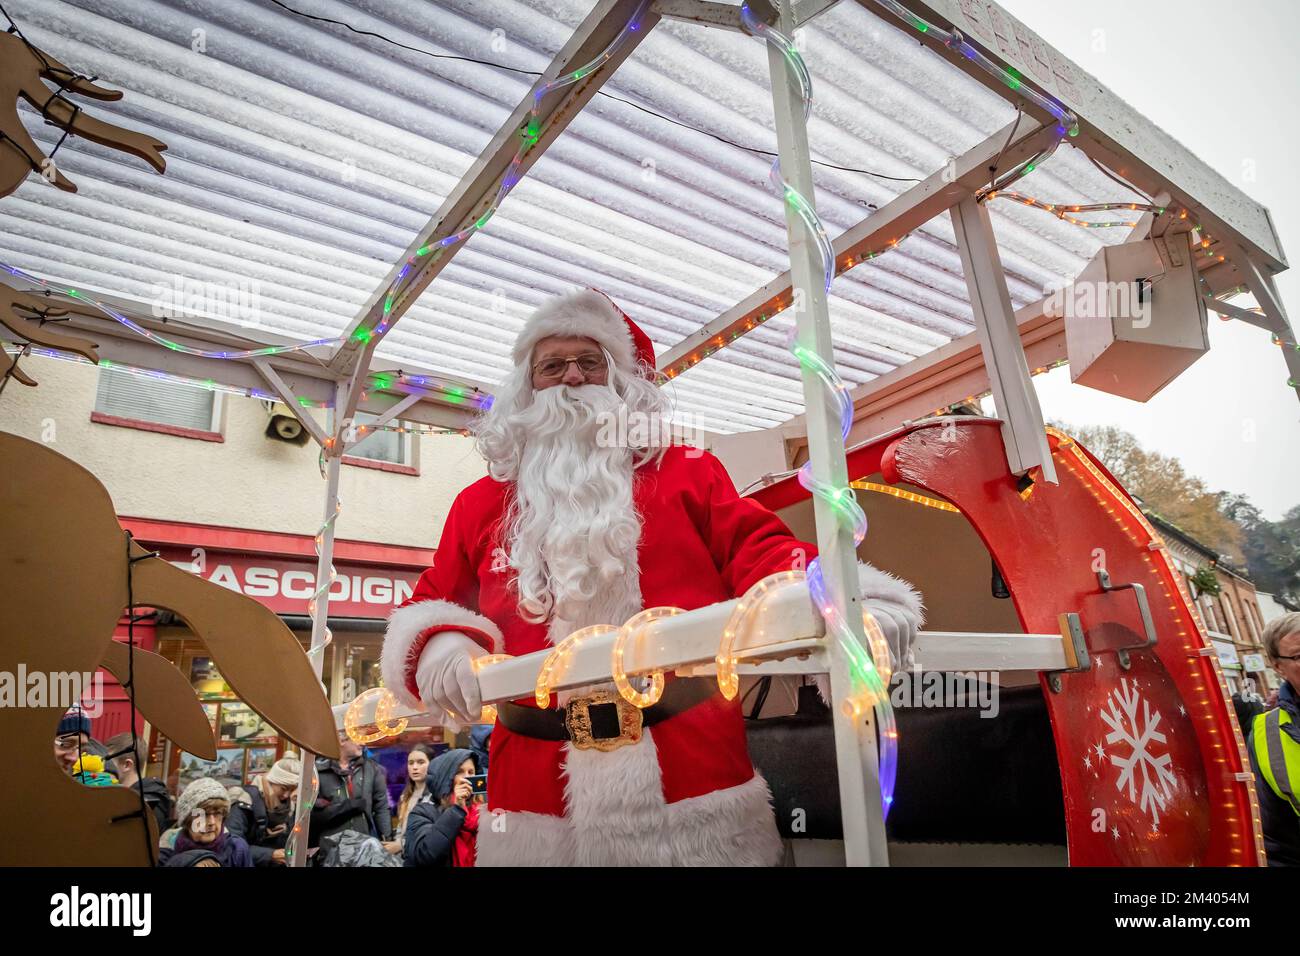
687	793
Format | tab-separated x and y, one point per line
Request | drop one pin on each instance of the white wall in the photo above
247	481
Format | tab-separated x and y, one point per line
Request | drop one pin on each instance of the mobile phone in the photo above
478	781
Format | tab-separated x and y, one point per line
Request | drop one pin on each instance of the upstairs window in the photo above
140	398
387	446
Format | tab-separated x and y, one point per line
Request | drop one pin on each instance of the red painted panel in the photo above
1152	768
1150	758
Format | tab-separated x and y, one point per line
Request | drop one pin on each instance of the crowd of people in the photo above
352	823
436	818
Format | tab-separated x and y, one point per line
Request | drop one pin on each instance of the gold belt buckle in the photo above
578	720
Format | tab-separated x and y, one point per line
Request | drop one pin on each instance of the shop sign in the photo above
285	584
1254	662
1227	655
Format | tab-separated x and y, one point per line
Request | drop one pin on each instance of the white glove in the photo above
445	676
899	624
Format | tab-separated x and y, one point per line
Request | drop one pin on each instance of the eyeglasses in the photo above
588	363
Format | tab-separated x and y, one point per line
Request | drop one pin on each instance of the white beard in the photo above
572	530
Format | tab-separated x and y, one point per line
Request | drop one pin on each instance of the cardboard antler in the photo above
258	656
164	696
23	70
21	314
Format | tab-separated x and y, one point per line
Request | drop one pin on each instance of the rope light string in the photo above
301	820
905	495
1065	211
384	725
741	620
529	134
633	627
1067	125
452	394
307	794
796	200
489	713
865	673
323	588
556	663
165	342
1066	122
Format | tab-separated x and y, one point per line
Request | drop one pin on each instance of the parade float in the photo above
1114	743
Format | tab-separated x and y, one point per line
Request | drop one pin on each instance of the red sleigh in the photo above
1143	740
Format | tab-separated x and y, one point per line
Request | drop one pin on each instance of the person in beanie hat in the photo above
263	811
201	812
71	738
586	518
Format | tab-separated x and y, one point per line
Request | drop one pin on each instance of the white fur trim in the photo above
517	838
620	818
405	625
586	313
732	827
616	815
616	803
883	586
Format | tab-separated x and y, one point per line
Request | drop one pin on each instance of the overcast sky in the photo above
1223	79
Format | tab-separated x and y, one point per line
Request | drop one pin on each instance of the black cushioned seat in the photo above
961	778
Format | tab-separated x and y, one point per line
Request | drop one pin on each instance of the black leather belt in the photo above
604	720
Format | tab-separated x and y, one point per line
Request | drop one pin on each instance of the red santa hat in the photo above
591	314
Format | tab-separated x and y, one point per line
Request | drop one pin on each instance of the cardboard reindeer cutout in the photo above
25	316
23	70
66	568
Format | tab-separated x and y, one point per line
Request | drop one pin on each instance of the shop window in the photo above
126	398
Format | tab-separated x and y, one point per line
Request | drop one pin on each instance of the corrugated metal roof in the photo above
306	158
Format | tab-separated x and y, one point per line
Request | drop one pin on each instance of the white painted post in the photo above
333	460
855	742
1023	432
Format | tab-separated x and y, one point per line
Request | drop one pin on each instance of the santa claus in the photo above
574	525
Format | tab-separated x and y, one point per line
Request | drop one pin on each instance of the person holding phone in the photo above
444	830
263	811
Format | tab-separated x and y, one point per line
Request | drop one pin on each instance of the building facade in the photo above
1232	616
201	478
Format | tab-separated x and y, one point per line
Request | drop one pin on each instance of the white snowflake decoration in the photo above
1157	778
